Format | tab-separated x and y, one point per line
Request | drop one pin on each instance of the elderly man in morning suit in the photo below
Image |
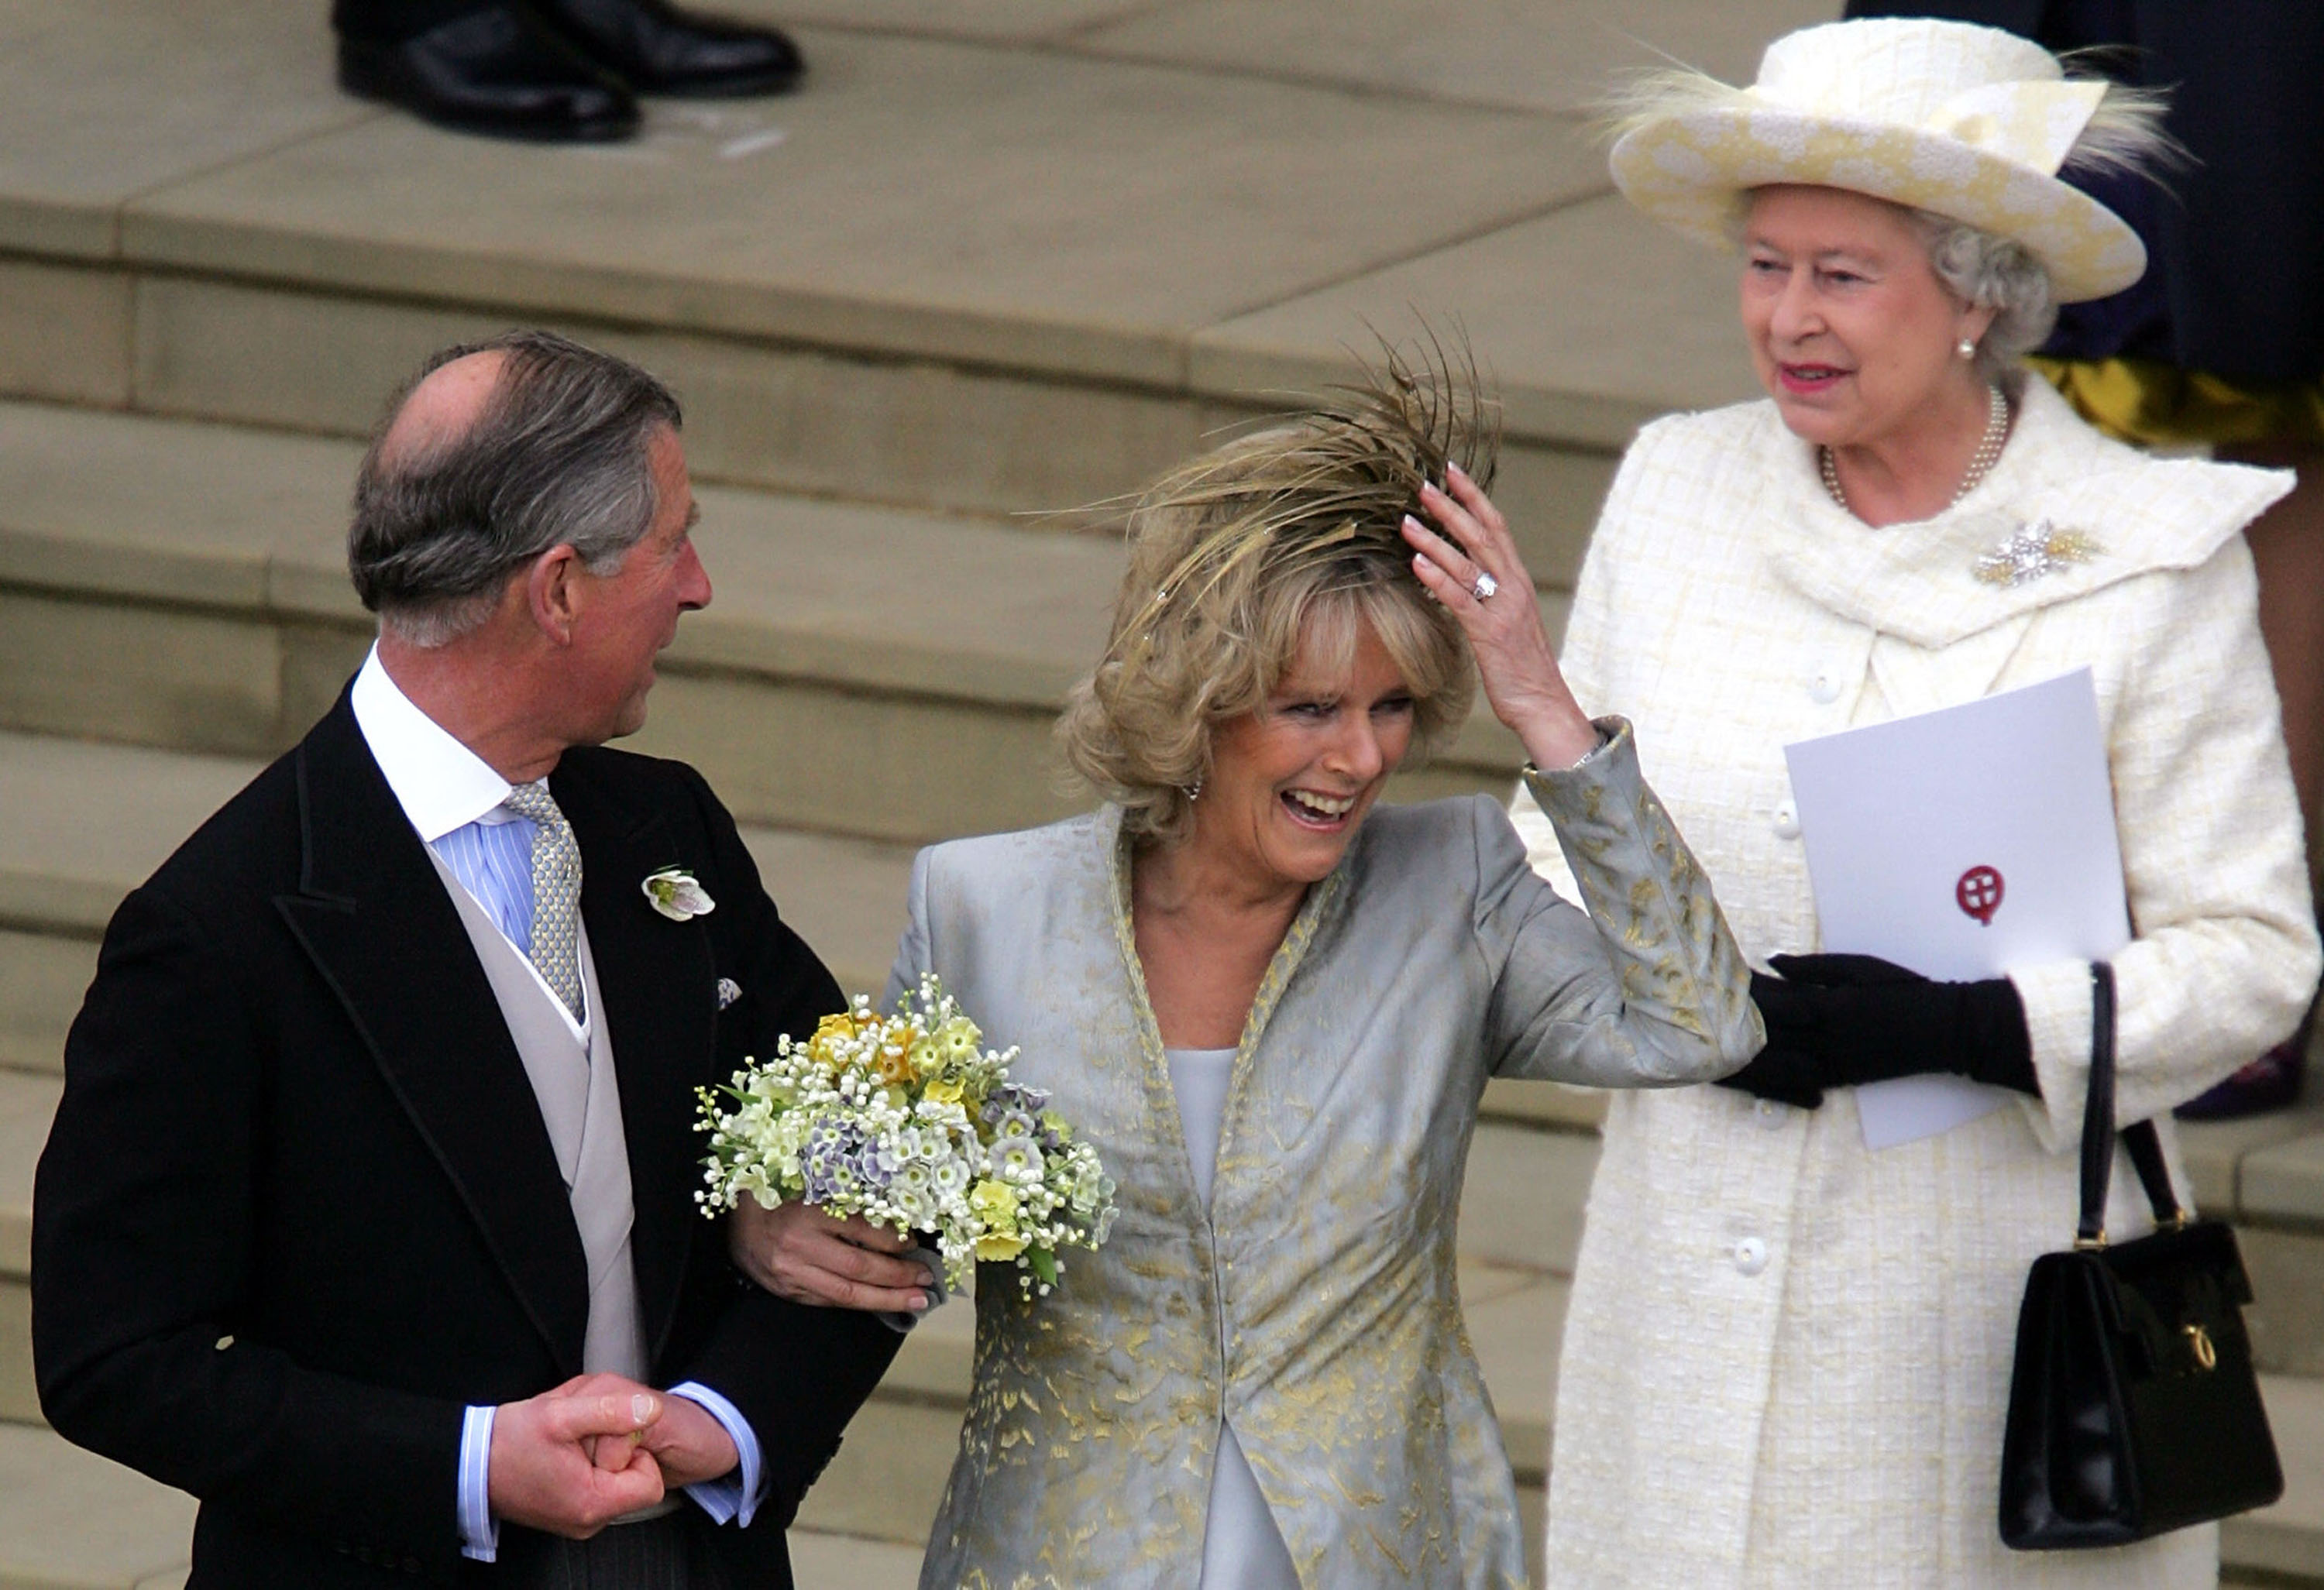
368	1217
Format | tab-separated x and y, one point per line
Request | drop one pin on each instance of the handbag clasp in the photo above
2199	1341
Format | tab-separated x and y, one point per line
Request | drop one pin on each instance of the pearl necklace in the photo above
1980	463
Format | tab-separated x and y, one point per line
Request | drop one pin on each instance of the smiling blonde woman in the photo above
1272	1003
1787	1355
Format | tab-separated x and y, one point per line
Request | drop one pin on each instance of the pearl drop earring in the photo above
1965	348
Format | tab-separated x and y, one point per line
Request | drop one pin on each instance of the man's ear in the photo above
553	592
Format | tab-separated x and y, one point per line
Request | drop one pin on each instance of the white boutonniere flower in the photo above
674	893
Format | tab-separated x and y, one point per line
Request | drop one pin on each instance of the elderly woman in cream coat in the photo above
1272	1006
1787	1355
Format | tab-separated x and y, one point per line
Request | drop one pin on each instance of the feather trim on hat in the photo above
2123	136
1653	94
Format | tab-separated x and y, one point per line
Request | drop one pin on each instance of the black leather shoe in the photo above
497	71
657	49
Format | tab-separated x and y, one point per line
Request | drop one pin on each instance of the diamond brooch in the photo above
2035	550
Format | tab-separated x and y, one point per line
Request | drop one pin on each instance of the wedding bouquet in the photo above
908	1121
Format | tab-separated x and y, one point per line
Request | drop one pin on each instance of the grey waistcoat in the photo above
581	1105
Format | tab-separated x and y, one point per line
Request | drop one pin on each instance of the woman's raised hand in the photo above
1469	563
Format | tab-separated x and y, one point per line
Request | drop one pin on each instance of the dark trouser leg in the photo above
392	20
666	1553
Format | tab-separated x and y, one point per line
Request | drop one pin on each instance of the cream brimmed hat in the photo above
1969	122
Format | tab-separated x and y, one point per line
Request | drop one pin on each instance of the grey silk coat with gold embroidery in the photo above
1315	1305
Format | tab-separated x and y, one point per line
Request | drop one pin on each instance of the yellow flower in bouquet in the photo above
996	1204
895	1064
834	1034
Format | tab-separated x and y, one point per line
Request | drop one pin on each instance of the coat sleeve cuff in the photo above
2057	1000
1653	906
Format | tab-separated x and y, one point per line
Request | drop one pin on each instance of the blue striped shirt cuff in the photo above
480	1532
731	1498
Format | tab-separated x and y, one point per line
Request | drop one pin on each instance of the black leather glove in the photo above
1836	1021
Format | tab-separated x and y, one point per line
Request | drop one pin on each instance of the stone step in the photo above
831	1561
85	824
42	976
28	1103
974	268
72	1520
873	671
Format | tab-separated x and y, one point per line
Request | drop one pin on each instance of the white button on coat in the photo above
1823	686
1751	1256
1785	820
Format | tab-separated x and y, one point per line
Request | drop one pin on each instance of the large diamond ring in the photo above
1484	587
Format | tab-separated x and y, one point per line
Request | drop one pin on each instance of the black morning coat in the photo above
298	1209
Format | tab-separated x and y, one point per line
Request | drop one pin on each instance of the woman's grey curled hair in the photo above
1285	540
560	455
1992	273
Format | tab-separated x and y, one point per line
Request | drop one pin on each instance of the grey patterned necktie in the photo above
556	892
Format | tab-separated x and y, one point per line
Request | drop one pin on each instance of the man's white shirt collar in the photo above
440	784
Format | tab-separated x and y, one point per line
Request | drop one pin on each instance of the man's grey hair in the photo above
559	456
1989	273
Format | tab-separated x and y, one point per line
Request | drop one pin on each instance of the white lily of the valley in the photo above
676	894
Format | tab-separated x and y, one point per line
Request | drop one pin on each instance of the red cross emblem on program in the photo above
1978	893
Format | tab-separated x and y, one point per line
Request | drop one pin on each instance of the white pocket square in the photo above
729	990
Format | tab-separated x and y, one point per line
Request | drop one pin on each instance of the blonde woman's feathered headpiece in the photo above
1337	480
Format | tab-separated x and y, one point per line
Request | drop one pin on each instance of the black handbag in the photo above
2133	1408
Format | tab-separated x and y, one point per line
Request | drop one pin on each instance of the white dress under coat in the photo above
1787	1357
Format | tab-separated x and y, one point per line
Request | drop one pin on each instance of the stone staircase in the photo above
995	264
